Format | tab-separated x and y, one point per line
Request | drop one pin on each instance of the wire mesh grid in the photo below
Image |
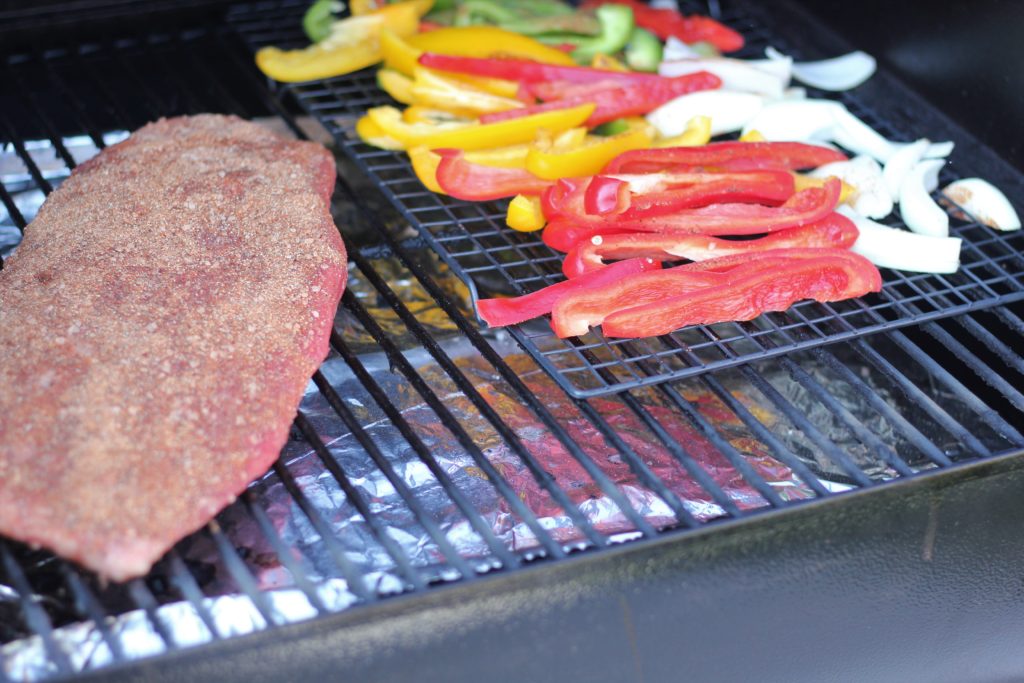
494	260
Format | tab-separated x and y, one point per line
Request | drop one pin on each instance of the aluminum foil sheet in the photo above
288	548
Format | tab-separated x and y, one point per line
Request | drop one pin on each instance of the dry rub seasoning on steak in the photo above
158	326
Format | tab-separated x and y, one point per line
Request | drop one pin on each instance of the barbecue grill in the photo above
831	492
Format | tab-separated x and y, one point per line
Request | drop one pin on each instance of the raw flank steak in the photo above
158	327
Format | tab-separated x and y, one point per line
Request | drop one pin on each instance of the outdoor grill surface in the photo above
429	451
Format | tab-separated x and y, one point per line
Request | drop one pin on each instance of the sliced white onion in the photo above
677	49
893	248
796	93
781	67
900	163
919	211
939	150
836	74
735	74
821	120
983	202
795	120
728	111
870	197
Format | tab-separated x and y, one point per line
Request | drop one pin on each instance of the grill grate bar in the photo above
89	607
968	358
34	615
240	574
920	398
143	597
912	434
865	435
40	114
495	477
299	575
19	148
800	420
735	458
182	579
394	415
636	464
993	343
936	369
356	583
683	457
465	386
763	434
82	114
379	459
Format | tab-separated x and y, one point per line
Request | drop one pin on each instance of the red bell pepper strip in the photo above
807	206
501	312
725	156
529	71
669	22
606	195
835	230
770	187
464	179
547	91
619	102
741	286
774	283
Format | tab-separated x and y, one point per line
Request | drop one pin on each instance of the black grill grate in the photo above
473	240
923	398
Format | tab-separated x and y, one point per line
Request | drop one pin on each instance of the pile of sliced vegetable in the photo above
601	135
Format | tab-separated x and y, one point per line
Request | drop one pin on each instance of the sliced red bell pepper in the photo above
835	230
501	312
528	71
741	287
547	91
605	194
807	206
725	156
475	182
669	22
773	283
768	187
619	102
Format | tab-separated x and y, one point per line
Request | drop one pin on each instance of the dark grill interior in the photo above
430	452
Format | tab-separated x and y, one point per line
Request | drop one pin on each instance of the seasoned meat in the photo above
158	326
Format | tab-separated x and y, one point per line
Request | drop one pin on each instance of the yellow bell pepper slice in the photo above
354	43
697	132
752	136
476	135
396	84
430	88
585	159
401	57
360	7
509	156
525	214
425	163
371	134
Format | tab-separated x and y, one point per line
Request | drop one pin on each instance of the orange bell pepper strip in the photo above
474	135
354	43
